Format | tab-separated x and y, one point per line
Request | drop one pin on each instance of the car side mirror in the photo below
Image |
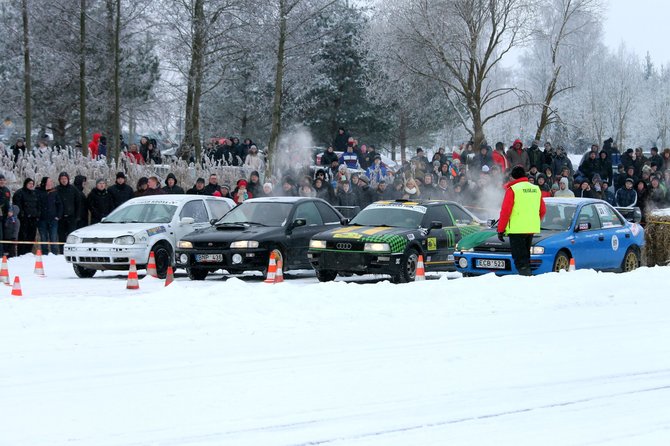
435	225
344	221
298	222
213	221
583	227
187	221
491	222
103	219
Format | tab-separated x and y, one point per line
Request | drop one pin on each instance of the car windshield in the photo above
259	212
394	216
143	213
558	217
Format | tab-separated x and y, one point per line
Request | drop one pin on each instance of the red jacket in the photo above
93	145
508	204
501	160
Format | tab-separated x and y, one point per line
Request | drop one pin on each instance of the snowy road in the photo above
566	359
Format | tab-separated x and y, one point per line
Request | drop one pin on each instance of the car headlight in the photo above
184	244
72	239
124	240
537	250
377	247
468	250
244	244
317	244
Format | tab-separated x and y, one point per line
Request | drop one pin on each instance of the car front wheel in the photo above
561	262
326	275
407	267
163	255
83	273
197	274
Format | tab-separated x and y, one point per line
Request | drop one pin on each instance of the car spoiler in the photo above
348	211
632	214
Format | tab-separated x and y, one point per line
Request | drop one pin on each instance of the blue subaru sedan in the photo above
587	232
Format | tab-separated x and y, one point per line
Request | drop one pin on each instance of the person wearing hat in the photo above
241	194
341	139
142	185
120	191
626	196
376	172
28	202
171	186
564	189
520	214
198	188
365	195
99	201
69	197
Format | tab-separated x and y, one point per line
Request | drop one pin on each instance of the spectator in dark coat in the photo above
82	217
99	202
28	202
153	186
253	185
364	193
120	191
198	188
325	191
341	139
50	213
142	185
70	199
345	197
11	229
213	185
329	156
171	186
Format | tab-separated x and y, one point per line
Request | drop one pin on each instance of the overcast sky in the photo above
640	24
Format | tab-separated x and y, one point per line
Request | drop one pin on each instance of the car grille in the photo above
91	259
97	240
354	261
345	245
211	245
489	250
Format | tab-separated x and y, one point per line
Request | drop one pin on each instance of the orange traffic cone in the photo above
133	282
169	278
572	265
151	267
4	272
39	266
420	270
272	269
16	289
280	272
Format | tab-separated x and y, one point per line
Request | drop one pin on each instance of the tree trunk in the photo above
278	92
82	77
548	97
59	129
478	128
402	137
132	126
27	82
115	146
194	83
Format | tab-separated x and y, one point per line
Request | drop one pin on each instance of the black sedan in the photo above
243	239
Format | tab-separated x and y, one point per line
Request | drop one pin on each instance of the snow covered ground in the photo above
562	359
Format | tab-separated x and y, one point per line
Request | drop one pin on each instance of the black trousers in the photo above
65	226
520	245
27	233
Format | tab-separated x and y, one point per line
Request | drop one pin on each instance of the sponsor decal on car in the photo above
157	230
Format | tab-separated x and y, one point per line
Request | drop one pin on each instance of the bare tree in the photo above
27	79
82	76
458	43
564	25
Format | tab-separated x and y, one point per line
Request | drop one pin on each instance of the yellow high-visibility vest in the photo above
525	217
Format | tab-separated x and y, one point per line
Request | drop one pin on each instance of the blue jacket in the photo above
626	197
350	159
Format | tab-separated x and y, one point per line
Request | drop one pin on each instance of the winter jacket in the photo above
5	201
561	161
211	188
51	206
28	202
100	203
508	205
120	193
626	197
69	197
517	156
12	224
376	173
590	167
93	145
253	161
536	156
365	195
326	192
82	206
605	167
340	141
501	160
346	198
328	157
350	159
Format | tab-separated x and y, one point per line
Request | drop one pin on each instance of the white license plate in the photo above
490	264
209	258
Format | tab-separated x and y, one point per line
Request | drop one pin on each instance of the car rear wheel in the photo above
407	267
631	260
326	275
83	273
561	262
197	274
163	255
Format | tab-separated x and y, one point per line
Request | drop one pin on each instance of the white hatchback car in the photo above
139	226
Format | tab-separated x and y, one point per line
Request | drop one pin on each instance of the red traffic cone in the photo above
420	270
272	269
39	266
133	282
572	265
279	278
16	289
4	272
169	278
151	266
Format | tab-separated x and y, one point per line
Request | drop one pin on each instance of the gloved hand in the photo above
501	236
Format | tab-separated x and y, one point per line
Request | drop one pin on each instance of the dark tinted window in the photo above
327	213
309	212
461	217
437	213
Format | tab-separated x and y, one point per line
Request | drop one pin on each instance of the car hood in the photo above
488	240
365	233
110	230
236	232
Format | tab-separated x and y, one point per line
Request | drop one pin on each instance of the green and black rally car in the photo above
387	237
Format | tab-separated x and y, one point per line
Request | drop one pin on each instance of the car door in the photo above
217	208
440	243
298	238
589	238
196	210
616	237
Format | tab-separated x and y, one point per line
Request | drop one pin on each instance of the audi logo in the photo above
343	246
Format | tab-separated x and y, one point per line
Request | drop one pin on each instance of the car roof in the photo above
281	199
415	202
575	201
173	198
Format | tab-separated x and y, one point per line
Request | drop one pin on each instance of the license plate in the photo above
209	258
490	264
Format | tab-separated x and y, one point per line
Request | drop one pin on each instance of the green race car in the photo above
388	237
